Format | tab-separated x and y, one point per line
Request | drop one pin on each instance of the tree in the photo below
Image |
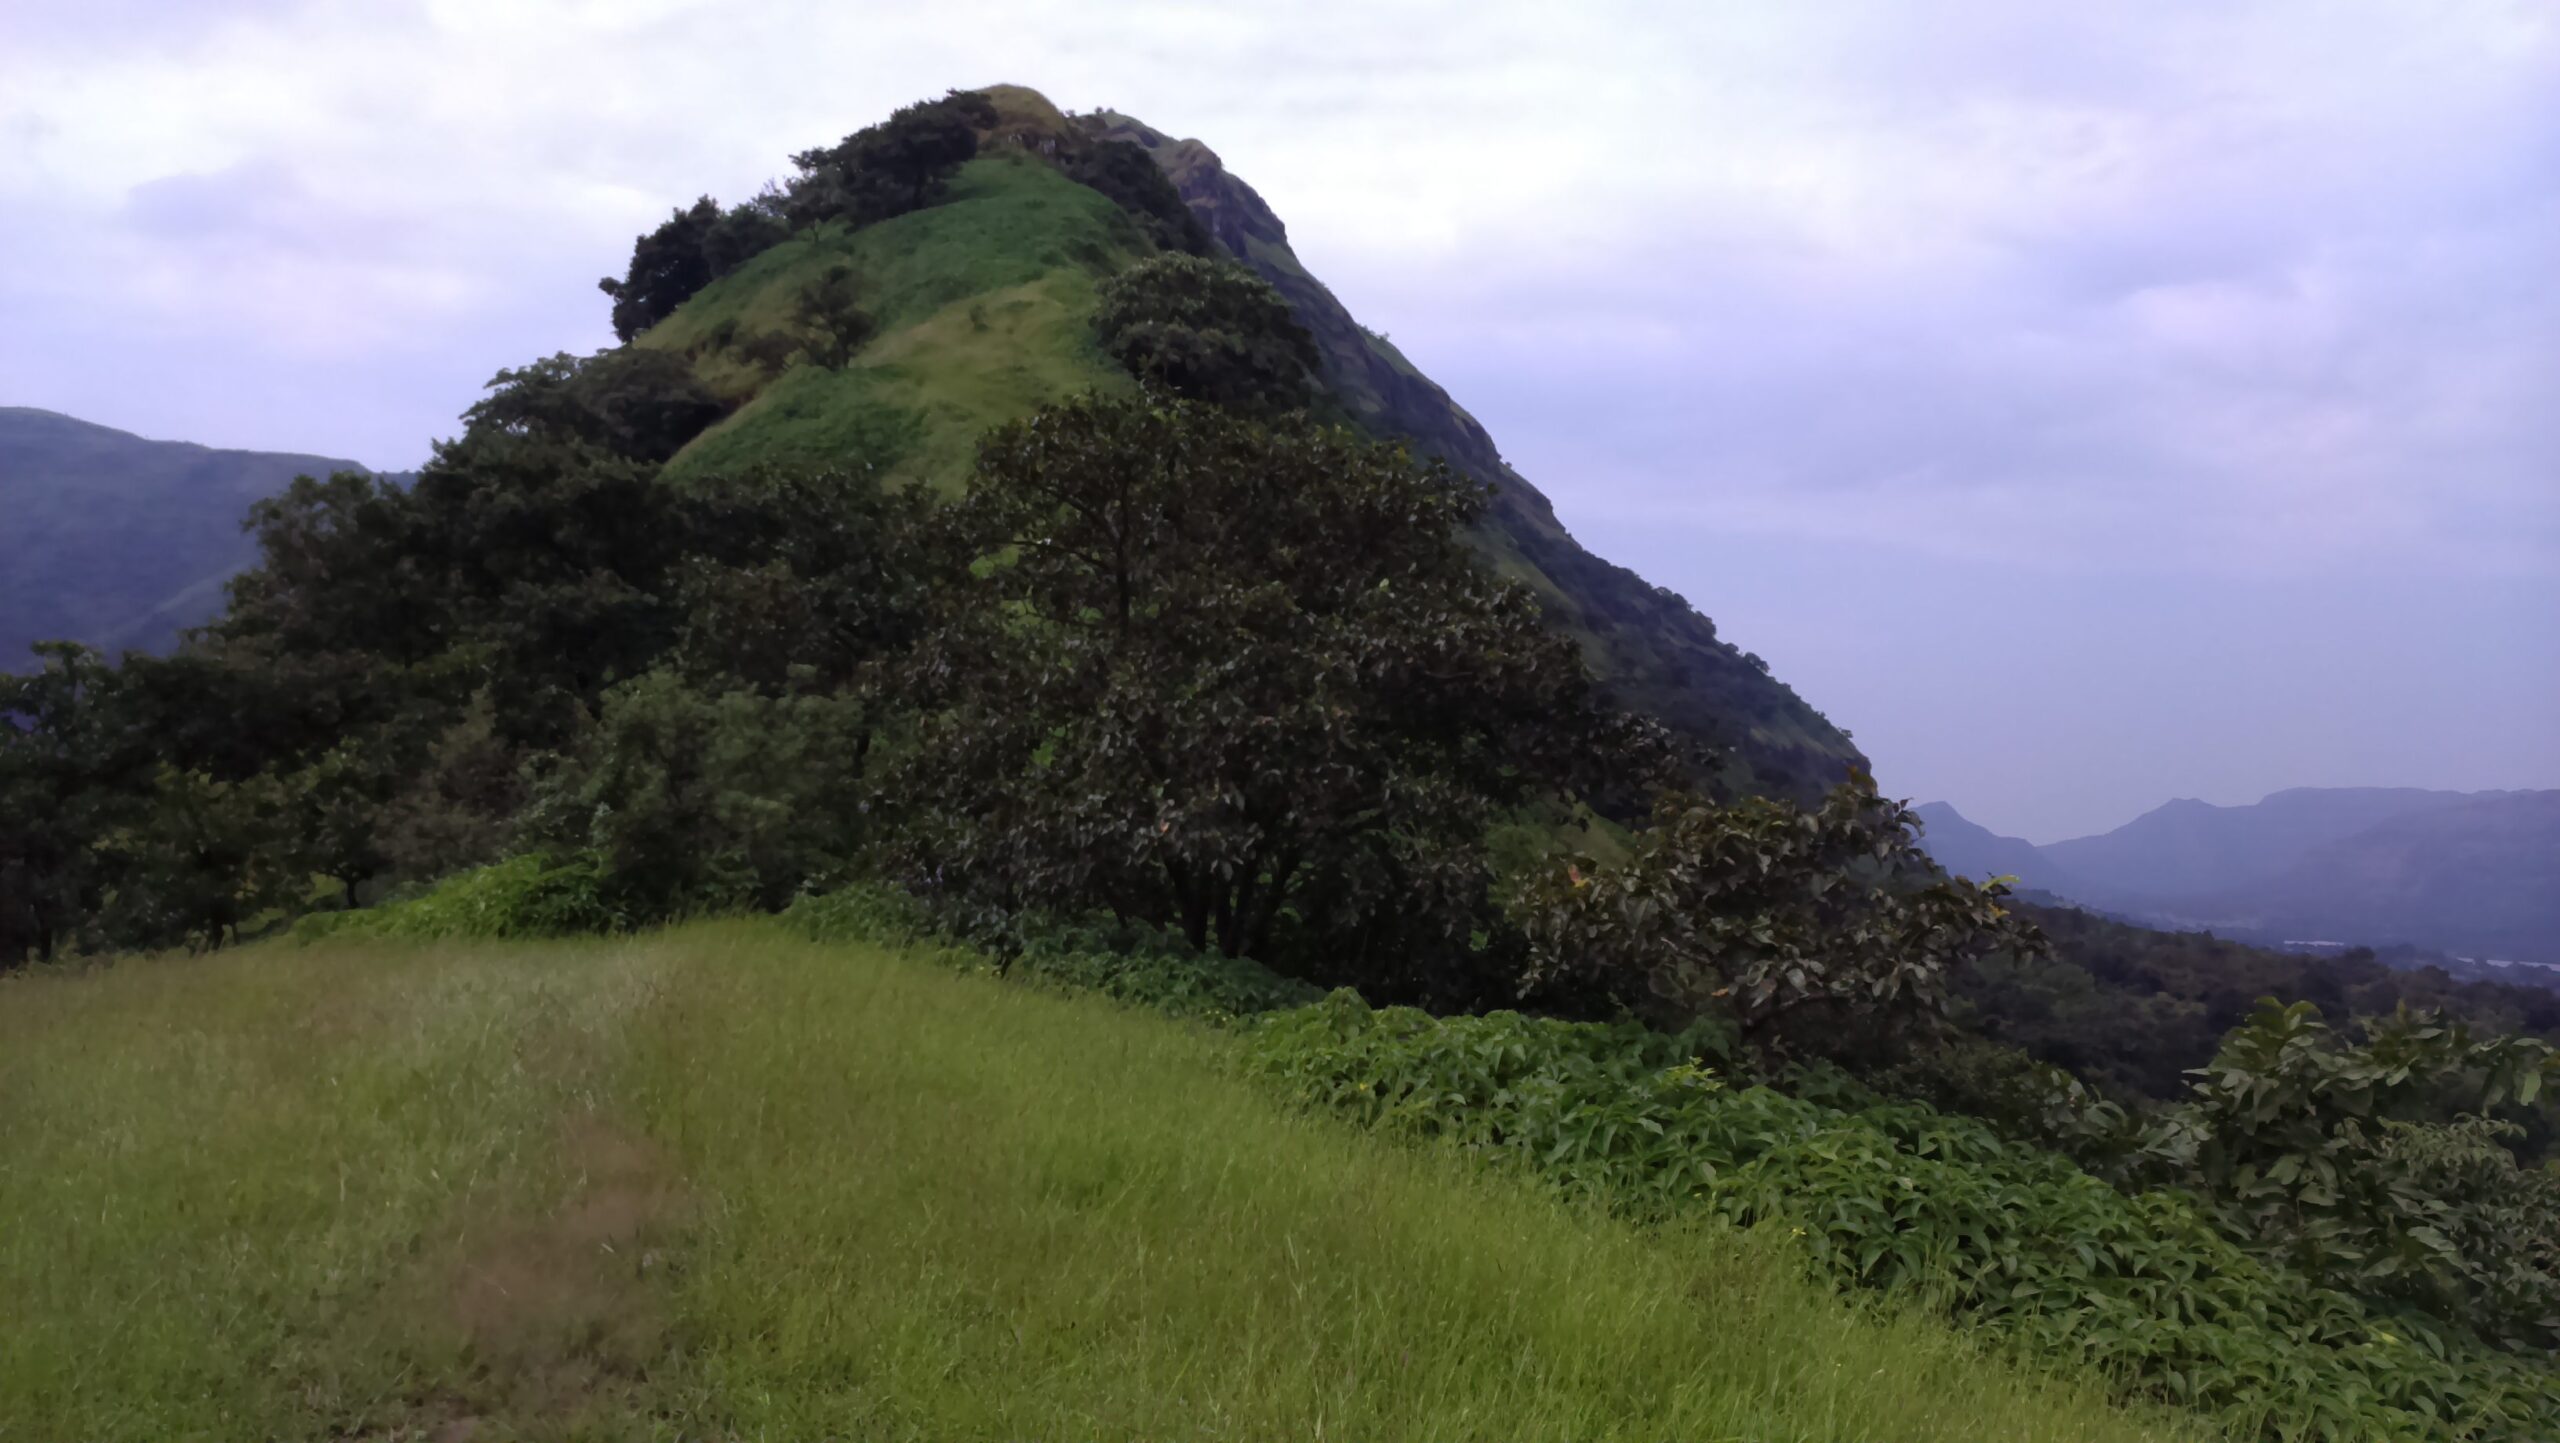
831	312
60	783
1248	682
198	860
1798	925
2382	1166
668	265
695	801
696	246
891	168
640	405
1123	171
798	582
1209	331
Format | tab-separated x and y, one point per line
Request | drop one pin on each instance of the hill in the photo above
982	308
2188	848
2479	877
2475	874
1969	849
117	541
724	1183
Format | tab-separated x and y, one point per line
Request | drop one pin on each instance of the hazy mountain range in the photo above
2472	873
117	541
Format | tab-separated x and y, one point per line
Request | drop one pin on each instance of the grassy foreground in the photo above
722	1183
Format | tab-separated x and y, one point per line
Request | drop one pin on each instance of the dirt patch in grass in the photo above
549	1325
563	1309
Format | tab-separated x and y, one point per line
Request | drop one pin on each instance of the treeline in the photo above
2134	1010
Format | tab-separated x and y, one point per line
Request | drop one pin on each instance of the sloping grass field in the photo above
724	1183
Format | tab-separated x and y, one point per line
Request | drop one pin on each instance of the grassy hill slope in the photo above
984	307
113	540
723	1183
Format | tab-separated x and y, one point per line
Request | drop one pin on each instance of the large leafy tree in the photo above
1209	330
696	246
1244	681
1826	926
1123	171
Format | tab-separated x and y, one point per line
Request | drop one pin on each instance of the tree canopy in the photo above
1208	330
696	246
1242	680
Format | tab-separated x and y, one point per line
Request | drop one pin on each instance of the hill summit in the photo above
980	310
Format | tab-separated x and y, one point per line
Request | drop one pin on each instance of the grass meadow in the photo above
721	1183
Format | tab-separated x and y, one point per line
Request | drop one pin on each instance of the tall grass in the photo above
721	1182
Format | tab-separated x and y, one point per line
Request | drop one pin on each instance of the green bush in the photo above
1901	1197
532	895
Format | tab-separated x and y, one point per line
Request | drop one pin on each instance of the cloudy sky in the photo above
2085	404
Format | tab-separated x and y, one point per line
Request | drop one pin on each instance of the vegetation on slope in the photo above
1656	650
719	1182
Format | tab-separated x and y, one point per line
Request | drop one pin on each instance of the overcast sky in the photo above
2085	411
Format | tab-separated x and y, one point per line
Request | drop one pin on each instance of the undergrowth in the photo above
1903	1199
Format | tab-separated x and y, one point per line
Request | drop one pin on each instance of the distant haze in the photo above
2084	411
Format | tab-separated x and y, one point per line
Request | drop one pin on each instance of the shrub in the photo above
532	895
1901	1197
1208	330
1136	964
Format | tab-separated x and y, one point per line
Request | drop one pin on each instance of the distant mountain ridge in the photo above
117	541
2476	874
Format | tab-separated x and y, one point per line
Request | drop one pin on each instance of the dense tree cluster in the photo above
1123	171
2133	1009
1244	681
1825	927
695	247
1209	330
888	169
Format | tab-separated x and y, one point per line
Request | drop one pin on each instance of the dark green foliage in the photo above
198	860
2132	1009
831	315
639	405
1207	330
694	802
57	752
1125	172
1821	925
1242	682
798	582
889	169
2143	1288
695	247
1142	966
2381	1164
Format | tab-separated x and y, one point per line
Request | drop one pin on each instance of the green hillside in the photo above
983	306
721	1183
116	541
